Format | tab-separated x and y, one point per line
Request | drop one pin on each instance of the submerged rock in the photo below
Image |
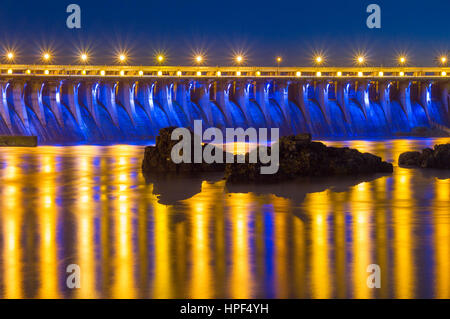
301	157
420	131
439	157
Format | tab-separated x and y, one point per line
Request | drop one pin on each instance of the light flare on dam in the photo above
60	108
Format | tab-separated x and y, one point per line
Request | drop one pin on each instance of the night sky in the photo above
293	29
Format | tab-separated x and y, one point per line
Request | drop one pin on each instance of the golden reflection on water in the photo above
84	219
240	215
361	205
47	229
12	252
89	205
403	241
163	283
442	238
318	206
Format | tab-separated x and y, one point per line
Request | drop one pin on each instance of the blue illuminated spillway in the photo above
114	112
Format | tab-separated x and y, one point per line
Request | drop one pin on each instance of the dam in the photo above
95	104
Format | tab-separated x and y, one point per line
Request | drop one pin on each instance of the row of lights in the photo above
218	73
199	59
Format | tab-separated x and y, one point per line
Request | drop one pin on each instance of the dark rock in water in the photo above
157	159
410	158
301	157
439	157
298	156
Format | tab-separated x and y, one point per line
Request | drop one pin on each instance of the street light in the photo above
199	59
10	56
46	56
279	59
122	58
84	57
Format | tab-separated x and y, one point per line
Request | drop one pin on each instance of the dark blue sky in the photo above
263	29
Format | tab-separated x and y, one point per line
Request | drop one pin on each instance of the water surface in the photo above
194	238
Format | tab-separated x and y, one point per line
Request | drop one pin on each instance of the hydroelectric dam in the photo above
95	104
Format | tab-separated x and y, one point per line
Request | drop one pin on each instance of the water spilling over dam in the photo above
64	107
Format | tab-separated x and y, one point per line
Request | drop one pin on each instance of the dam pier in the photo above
72	104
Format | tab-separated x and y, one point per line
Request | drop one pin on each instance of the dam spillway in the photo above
94	104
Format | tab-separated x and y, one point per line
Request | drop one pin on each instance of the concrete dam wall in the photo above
77	110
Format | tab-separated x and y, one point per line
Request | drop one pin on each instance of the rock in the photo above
298	156
157	159
301	157
409	159
439	158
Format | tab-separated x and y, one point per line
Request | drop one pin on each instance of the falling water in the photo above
95	114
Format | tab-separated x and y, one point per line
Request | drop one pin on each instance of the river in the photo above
194	238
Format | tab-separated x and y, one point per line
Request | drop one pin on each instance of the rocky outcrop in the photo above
157	159
299	156
439	157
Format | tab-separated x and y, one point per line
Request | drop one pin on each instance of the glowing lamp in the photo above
46	56
141	73
122	73
122	57
218	73
160	73
102	72
10	56
179	73
199	73
258	73
298	73
319	73
339	73
46	72
239	58
380	73
319	59
402	73
238	73
10	71
444	73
